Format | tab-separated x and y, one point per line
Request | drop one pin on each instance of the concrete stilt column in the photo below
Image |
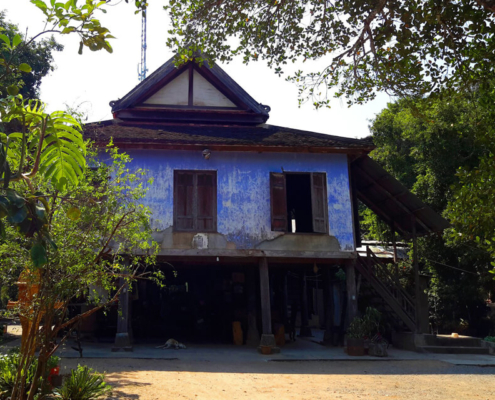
123	338
305	330
350	274
267	337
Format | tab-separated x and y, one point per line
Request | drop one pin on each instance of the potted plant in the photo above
355	337
371	321
375	343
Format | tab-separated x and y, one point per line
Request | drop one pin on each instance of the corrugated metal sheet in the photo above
391	200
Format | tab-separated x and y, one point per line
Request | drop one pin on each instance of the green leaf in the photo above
38	255
13	90
16	40
6	39
74	213
15	199
25	68
41	213
18	216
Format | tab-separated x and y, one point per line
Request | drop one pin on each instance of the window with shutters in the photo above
195	201
299	202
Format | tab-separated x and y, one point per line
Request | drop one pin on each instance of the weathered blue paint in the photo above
243	189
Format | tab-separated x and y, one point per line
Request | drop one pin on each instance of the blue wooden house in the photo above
257	221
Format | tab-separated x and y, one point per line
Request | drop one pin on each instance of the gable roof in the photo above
131	134
392	201
235	103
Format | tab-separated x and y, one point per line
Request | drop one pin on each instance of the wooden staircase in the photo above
388	287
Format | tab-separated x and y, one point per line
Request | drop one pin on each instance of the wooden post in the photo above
123	338
285	301
329	307
266	315
350	276
396	267
253	335
394	242
305	331
424	307
417	301
267	337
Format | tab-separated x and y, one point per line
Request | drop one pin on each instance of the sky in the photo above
91	80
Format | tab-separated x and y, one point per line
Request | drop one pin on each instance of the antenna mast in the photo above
142	66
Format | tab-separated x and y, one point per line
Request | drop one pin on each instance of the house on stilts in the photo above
255	222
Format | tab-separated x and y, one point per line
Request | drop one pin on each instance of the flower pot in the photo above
266	350
355	347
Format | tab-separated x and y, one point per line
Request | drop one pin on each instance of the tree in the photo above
424	144
100	234
413	47
66	225
46	144
39	55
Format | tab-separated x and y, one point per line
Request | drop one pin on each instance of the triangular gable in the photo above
178	92
190	93
173	93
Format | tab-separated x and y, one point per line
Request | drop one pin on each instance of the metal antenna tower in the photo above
142	66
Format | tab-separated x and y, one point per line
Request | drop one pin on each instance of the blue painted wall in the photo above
243	189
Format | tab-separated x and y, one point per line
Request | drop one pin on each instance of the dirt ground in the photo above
346	380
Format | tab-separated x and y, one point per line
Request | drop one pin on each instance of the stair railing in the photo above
384	279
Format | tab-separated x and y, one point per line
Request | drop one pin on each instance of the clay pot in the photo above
355	347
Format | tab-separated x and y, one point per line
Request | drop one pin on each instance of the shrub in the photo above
9	364
490	339
8	370
83	384
365	327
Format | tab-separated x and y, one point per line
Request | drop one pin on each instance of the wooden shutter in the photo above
184	200
206	206
278	200
319	202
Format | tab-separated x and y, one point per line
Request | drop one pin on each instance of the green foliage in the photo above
97	216
489	339
83	384
425	144
69	229
8	370
9	363
366	326
413	47
55	140
35	61
71	17
356	329
471	210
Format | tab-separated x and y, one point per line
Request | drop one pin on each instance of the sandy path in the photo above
158	379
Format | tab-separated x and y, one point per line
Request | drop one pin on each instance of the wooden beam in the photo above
190	96
371	204
391	197
158	144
